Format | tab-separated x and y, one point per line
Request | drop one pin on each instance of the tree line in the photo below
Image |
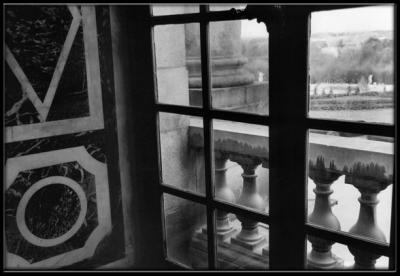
351	64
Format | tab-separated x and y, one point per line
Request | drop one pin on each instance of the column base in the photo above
222	235
265	252
251	245
333	263
229	256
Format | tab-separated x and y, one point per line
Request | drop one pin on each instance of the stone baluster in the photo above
223	192
366	226
370	180
249	236
321	256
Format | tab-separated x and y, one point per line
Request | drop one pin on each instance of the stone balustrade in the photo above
366	164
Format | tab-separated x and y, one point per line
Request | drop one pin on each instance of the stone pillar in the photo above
321	256
223	192
249	237
226	58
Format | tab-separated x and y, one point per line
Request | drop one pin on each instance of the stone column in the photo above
249	237
321	256
370	185
226	58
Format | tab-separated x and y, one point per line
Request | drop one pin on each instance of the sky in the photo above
345	20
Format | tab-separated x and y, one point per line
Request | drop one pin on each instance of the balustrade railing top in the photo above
345	152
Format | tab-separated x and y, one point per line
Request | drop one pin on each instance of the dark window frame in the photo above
289	32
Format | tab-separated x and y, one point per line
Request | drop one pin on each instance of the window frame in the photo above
287	25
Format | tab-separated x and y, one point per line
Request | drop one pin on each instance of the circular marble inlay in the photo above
51	211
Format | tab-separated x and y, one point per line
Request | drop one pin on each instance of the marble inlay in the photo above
35	36
56	144
52	211
52	51
19	109
93	141
71	98
34	238
17	242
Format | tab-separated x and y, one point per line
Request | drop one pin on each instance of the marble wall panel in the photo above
39	237
62	186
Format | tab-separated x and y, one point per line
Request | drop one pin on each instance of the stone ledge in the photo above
343	151
234	97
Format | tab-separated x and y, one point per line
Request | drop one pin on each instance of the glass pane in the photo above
239	58
174	9
177	51
241	243
351	64
350	183
222	7
241	168
340	257
182	158
184	224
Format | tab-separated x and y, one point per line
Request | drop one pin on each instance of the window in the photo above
203	75
234	137
350	174
274	146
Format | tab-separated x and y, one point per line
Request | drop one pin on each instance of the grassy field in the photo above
352	102
385	115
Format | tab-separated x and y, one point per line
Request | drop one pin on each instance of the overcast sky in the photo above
345	20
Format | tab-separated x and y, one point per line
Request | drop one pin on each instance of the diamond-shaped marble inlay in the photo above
53	84
35	35
19	109
31	58
71	97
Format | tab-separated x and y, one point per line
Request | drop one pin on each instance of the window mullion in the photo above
288	137
393	219
141	128
208	148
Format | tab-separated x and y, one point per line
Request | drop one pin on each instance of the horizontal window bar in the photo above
347	239
183	194
214	114
226	15
230	15
197	17
351	127
239	117
176	19
238	210
179	109
214	204
314	8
